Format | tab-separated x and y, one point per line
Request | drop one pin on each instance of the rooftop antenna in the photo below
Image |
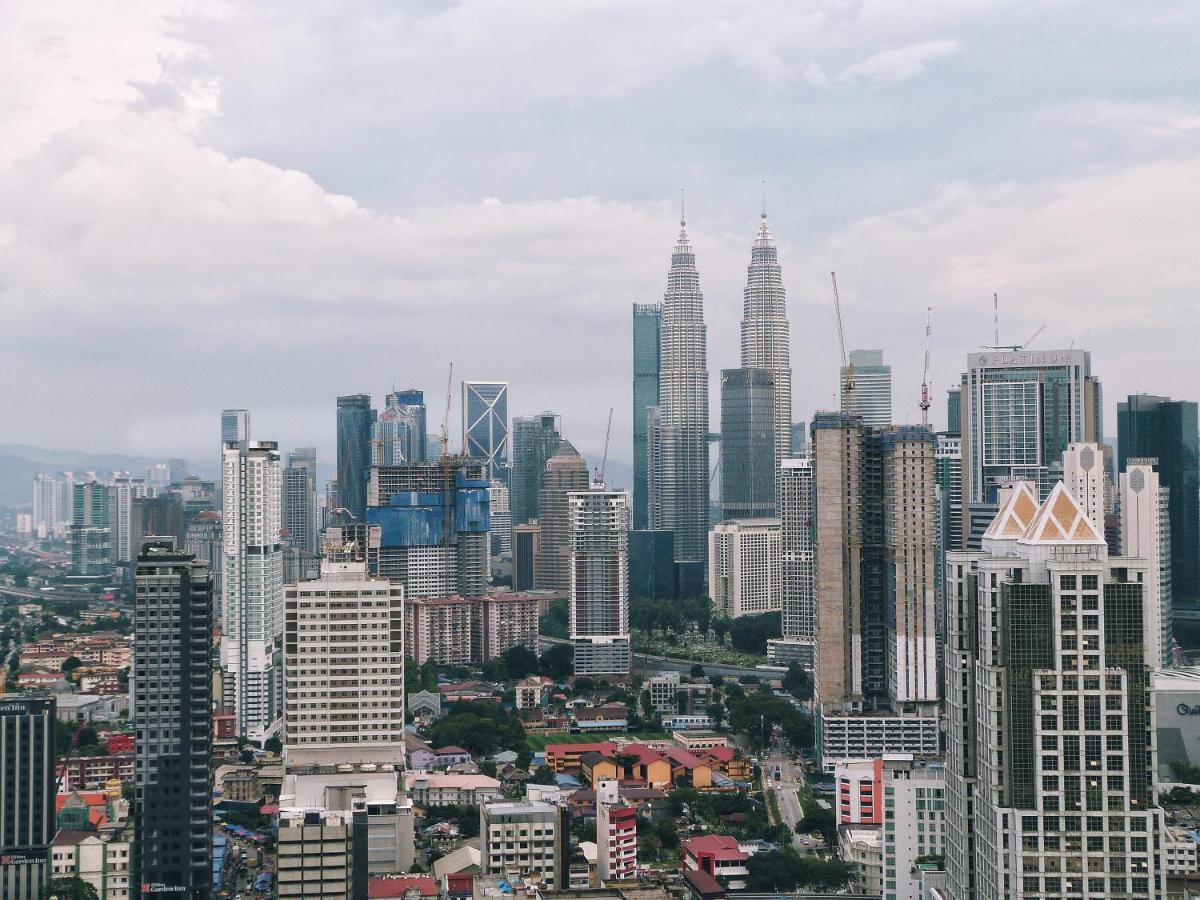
682	217
995	320
764	193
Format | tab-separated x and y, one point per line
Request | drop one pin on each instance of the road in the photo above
787	793
647	663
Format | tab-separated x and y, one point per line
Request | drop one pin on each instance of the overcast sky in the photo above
267	204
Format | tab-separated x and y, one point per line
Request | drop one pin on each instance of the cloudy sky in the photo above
266	204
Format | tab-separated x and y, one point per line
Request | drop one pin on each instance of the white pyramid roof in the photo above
1015	515
1061	520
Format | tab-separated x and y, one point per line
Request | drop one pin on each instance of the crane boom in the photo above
848	379
604	458
1033	336
925	374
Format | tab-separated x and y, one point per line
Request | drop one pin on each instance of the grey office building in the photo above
647	339
172	700
1150	427
1020	411
534	440
235	426
485	426
27	786
748	417
413	402
871	394
300	501
354	420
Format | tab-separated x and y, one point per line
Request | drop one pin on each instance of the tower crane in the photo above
996	345
604	459
847	365
446	507
925	374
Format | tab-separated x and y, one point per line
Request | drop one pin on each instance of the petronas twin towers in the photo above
677	453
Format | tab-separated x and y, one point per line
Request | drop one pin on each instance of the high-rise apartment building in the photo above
798	599
434	520
534	440
1020	412
877	622
766	335
52	504
1151	427
744	572
299	511
92	552
677	438
1051	765
910	537
1145	533
172	705
1084	477
205	540
599	581
749	451
500	519
27	786
121	493
647	341
565	472
343	650
485	425
355	419
252	586
871	395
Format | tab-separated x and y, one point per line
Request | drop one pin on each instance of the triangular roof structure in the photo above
1061	520
1015	515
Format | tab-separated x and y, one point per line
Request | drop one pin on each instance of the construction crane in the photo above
996	345
847	365
925	374
447	508
1033	337
604	459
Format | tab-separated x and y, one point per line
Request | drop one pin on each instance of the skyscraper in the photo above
252	586
52	504
354	420
534	440
599	582
27	785
744	576
565	472
647	334
748	447
1151	427
412	402
235	426
434	520
1050	774
954	410
485	424
300	500
172	700
766	337
1145	530
91	531
1020	411
871	395
397	434
500	514
329	703
678	450
799	591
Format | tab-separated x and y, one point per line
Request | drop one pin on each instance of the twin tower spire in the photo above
679	463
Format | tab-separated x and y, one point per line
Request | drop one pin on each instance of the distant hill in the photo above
19	463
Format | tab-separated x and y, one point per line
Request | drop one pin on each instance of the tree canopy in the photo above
480	727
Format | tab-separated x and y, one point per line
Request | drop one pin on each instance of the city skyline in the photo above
180	103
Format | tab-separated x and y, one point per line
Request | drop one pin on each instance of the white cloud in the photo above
900	64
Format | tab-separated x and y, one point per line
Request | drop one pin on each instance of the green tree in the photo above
544	775
481	727
70	664
429	675
697	671
520	661
818	820
273	745
556	622
797	682
1186	772
69	888
558	661
524	758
